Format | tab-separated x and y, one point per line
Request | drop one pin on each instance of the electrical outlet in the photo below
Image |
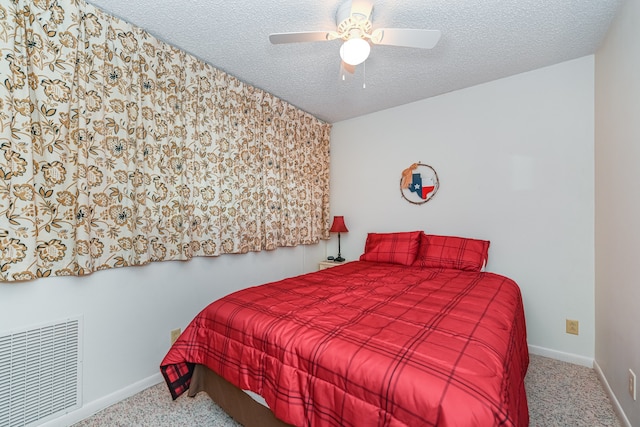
632	384
572	327
175	334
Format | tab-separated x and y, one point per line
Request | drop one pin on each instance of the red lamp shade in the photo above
338	225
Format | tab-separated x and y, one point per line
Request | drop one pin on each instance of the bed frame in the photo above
235	402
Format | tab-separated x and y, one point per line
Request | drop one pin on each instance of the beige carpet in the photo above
560	394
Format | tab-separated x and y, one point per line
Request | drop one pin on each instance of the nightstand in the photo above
328	264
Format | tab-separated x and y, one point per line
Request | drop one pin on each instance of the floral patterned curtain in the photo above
117	149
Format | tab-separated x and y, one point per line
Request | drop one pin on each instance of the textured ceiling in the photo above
482	40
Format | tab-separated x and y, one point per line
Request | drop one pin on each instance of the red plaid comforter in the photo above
368	344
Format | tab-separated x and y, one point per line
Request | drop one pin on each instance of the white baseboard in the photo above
98	405
559	355
614	401
590	363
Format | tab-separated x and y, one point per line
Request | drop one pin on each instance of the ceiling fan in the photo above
353	21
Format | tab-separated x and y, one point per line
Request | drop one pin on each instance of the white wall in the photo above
515	162
617	231
129	312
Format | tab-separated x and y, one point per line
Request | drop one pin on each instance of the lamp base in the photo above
339	259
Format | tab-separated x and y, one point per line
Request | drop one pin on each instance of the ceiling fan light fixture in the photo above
355	51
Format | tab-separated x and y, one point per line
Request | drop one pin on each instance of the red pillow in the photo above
451	252
394	248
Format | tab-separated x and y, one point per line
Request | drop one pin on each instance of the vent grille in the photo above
40	373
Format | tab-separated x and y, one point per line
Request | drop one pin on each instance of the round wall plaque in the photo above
419	183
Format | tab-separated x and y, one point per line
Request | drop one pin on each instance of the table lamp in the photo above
338	226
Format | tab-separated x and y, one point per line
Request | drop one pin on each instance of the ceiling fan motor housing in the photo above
353	23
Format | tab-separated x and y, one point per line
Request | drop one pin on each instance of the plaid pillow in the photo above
451	252
394	248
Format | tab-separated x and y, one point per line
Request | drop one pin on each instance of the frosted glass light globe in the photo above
355	51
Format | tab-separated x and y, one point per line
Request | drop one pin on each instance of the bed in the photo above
403	337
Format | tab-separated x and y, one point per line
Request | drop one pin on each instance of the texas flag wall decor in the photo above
419	183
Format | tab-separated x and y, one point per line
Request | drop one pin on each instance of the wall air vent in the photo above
40	373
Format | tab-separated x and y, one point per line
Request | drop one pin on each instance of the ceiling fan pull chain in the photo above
364	75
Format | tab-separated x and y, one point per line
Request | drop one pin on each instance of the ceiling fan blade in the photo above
348	67
303	36
423	39
362	8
